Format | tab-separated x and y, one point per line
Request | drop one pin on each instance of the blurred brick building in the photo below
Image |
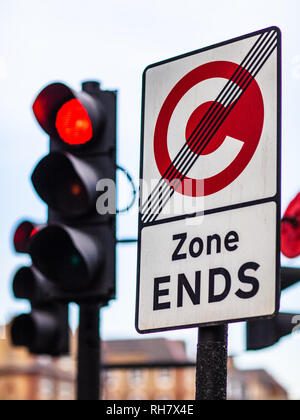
25	377
254	384
147	384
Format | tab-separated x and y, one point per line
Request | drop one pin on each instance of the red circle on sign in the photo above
245	123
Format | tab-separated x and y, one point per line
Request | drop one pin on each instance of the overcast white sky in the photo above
113	41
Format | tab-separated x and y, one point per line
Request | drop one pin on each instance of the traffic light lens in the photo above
57	257
69	198
22	236
23	284
76	189
290	230
75	260
73	123
23	331
33	232
62	186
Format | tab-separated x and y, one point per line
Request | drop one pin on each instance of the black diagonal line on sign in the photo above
232	95
228	96
246	77
259	44
191	162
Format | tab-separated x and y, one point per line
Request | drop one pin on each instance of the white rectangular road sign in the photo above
209	225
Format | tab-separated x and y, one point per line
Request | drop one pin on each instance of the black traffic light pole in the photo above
88	376
211	364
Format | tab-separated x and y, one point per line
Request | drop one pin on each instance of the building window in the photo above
234	389
136	377
112	379
65	391
46	389
165	377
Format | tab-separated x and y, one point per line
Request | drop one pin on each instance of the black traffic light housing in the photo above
267	332
73	254
76	251
45	330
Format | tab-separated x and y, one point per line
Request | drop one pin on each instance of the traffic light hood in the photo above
29	283
67	256
73	117
39	331
23	234
66	183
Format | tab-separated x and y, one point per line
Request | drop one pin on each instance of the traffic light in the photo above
290	229
45	329
267	332
76	249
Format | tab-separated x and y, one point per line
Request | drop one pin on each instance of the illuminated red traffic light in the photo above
23	234
73	123
290	229
75	118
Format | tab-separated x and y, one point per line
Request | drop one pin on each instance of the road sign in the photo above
209	223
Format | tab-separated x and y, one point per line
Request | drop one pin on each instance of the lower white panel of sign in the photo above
210	269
